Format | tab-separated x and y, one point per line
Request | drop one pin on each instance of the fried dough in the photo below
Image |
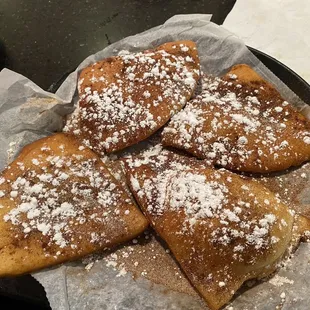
222	229
242	123
124	99
58	203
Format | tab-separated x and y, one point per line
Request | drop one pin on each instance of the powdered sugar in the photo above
238	127
48	203
250	124
121	111
216	223
277	280
306	139
180	185
198	197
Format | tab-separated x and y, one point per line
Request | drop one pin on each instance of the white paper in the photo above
27	113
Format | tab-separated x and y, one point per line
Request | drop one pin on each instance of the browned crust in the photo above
22	253
196	253
256	155
101	75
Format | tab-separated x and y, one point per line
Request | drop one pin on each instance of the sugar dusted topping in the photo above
291	187
218	225
145	90
58	195
205	195
277	280
198	197
240	127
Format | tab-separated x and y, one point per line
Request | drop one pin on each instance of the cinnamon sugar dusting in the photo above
127	98
203	213
149	258
291	187
64	194
236	124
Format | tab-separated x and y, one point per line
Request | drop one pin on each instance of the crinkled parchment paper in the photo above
28	113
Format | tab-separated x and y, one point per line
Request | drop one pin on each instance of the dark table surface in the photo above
44	39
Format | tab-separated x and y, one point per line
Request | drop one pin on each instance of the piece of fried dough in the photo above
58	203
126	98
242	123
223	229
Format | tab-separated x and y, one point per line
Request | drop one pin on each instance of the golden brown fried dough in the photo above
59	202
242	123
223	229
124	99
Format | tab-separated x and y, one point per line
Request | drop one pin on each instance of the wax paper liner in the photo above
28	113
